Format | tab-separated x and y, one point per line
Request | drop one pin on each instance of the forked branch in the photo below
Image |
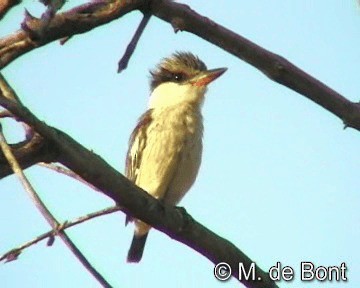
174	222
182	18
14	253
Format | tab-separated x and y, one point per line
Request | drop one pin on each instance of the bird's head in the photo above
180	78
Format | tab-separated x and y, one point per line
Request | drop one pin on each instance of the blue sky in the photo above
279	176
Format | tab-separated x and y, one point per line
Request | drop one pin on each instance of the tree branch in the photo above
175	222
272	65
5	114
46	212
28	153
6	5
7	93
14	253
75	21
124	61
181	17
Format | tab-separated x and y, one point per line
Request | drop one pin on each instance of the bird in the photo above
165	148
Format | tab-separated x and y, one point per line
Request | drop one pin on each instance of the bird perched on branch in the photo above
165	147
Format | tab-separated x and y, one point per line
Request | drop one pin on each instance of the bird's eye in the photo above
178	77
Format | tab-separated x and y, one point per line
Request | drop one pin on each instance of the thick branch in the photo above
174	222
28	153
183	18
7	93
45	211
274	66
75	21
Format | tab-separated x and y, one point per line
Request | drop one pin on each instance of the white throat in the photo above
169	94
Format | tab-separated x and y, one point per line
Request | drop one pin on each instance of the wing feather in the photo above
137	144
155	148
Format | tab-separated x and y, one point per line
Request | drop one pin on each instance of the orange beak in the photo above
206	77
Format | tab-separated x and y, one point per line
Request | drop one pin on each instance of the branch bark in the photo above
175	222
181	17
13	254
75	21
28	153
49	217
272	65
6	5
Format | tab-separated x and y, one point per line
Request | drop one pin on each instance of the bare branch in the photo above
75	21
182	18
124	61
14	253
45	212
28	153
274	66
7	93
173	221
52	7
6	5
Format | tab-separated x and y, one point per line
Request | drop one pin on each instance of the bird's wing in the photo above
154	151
137	145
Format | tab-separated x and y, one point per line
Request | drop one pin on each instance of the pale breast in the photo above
172	156
189	156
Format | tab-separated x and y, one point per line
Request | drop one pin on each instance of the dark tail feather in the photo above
137	248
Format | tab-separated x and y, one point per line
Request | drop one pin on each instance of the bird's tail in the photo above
137	248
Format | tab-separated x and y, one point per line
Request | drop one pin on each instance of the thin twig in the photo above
8	93
14	253
65	171
183	18
24	181
175	222
124	61
45	212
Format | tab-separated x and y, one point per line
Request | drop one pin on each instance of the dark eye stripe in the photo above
178	77
164	75
167	76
